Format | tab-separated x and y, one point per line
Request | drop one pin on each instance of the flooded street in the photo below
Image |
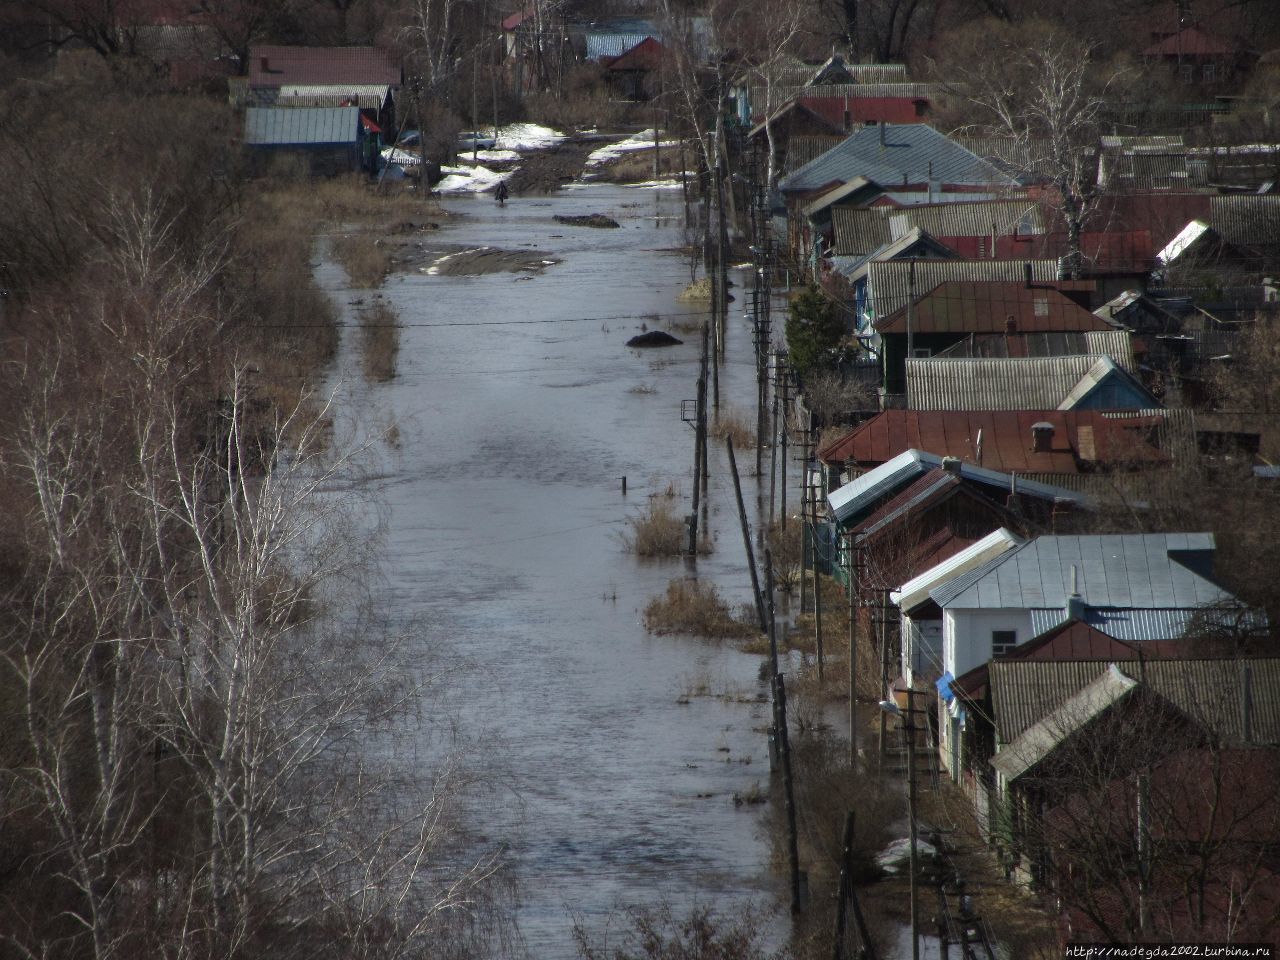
518	410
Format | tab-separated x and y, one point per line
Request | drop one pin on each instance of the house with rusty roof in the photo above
369	78
953	311
1089	450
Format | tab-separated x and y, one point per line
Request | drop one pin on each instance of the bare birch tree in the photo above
1042	88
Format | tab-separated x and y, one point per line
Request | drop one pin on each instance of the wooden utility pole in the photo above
746	535
773	460
788	786
699	445
783	385
817	598
853	655
848	897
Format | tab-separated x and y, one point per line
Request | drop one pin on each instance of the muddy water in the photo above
519	409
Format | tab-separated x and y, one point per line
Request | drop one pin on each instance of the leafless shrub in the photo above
732	424
658	934
694	607
379	341
658	531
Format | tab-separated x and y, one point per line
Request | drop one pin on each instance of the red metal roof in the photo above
867	109
648	54
271	66
1082	439
517	18
985	307
1189	42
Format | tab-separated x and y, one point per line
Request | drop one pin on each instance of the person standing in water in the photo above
501	193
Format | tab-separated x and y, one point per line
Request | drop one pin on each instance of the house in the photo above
909	158
634	74
1156	777
1198	58
1116	344
365	77
328	140
1079	449
953	311
988	611
1080	382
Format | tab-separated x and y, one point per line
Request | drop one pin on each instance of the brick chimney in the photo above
1042	437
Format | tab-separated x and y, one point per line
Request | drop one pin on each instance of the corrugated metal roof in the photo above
986	306
283	126
1014	383
1072	715
889	281
370	96
801	150
1116	344
1135	625
858	497
1246	218
1210	691
274	66
1129	571
1006	440
1002	217
911	153
600	45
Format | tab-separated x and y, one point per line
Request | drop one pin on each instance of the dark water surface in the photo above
505	516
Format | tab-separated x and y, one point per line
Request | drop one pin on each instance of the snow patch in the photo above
488	156
527	136
402	157
470	179
640	141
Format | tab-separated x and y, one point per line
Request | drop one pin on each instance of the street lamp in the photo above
908	725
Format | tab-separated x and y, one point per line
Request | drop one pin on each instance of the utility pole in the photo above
788	786
783	385
853	655
746	535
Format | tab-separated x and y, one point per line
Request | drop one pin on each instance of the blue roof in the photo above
911	153
1153	624
281	126
1137	571
613	44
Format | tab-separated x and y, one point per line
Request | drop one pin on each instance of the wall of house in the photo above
966	635
921	649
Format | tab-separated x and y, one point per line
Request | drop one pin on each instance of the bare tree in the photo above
1041	87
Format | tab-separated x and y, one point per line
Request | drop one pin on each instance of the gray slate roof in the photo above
913	150
1010	383
1023	692
1246	218
1113	570
1116	344
284	126
969	219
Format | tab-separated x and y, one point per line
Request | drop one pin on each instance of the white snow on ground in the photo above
488	156
897	854
470	179
655	184
640	141
527	136
434	269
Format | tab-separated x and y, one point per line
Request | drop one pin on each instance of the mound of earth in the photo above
588	220
485	260
654	338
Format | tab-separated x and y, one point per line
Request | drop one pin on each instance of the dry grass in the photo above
658	531
694	607
636	166
736	426
366	258
379	341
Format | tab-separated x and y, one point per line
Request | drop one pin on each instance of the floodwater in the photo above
519	410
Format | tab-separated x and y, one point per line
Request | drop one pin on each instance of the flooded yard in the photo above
518	410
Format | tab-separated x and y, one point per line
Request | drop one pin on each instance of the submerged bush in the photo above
695	607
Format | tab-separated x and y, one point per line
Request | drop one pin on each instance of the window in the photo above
921	353
1003	641
1209	72
1188	72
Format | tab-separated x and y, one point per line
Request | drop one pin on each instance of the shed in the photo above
331	139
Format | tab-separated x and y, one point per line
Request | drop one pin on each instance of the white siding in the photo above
966	635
